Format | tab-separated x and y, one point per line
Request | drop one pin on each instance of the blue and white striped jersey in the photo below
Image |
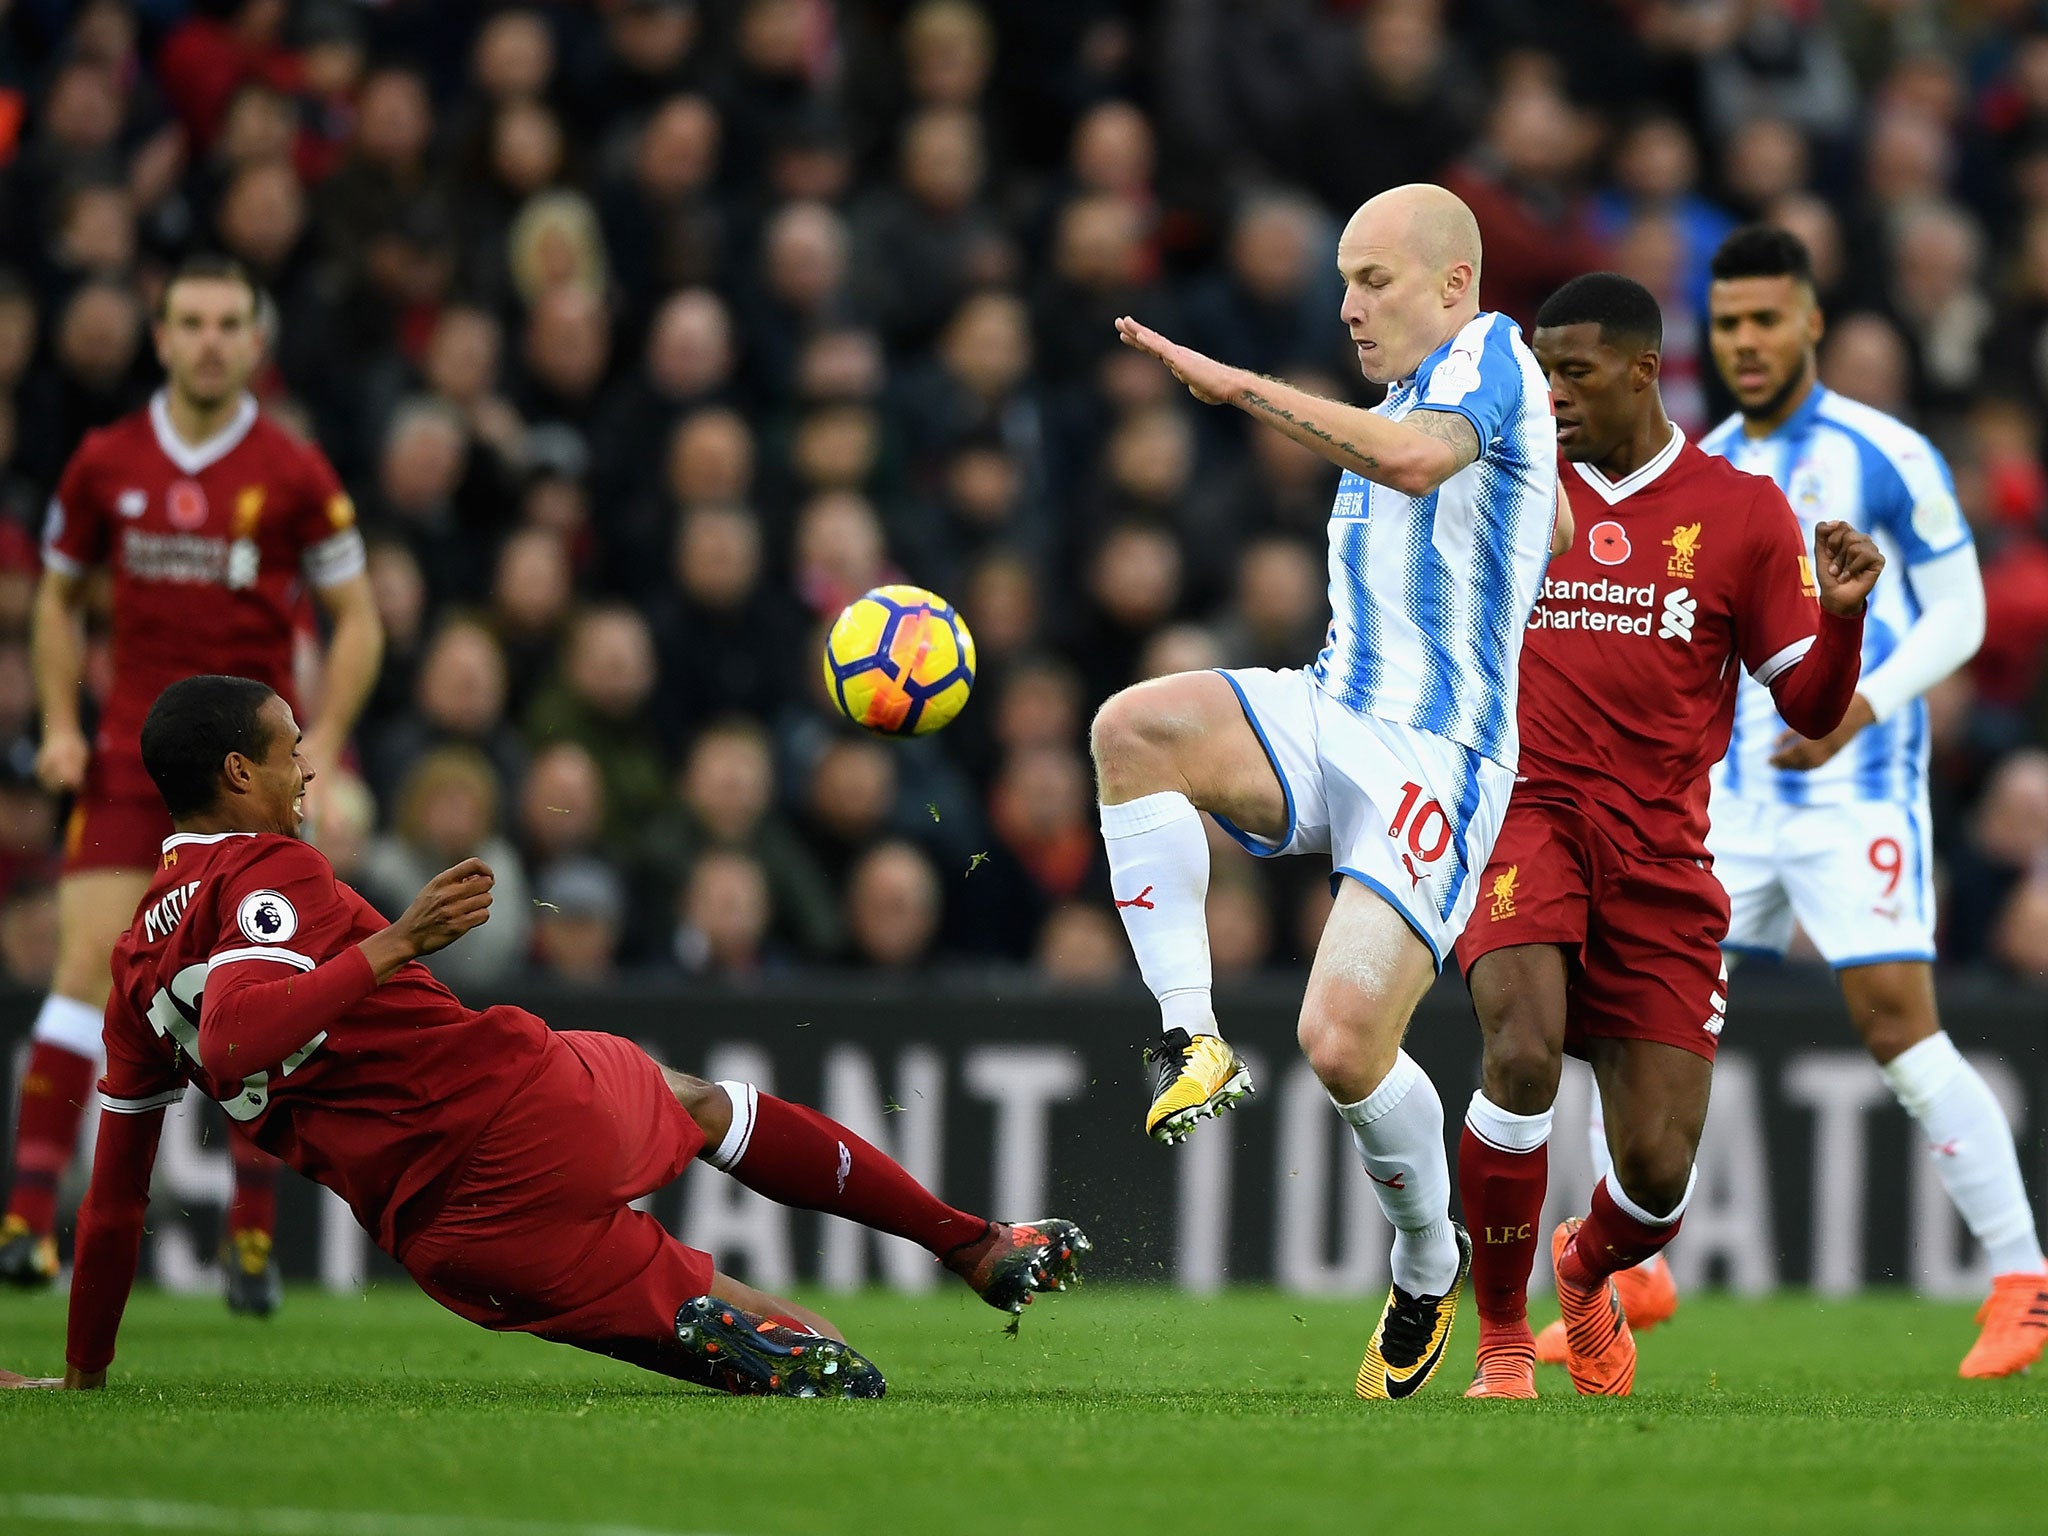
1838	460
1430	595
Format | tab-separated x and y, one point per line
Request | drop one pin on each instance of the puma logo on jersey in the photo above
1681	609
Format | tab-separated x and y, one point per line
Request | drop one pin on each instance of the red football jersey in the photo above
208	546
383	1105
1675	574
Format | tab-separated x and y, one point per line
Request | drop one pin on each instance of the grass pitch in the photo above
1127	1410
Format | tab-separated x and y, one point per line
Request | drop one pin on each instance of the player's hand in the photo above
73	1380
1796	751
1207	380
1846	566
447	907
61	760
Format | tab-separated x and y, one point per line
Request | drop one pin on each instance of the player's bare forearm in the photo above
1414	456
354	652
57	644
447	907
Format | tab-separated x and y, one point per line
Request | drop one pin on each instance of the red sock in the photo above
1502	1193
254	1207
1610	1240
53	1095
796	1156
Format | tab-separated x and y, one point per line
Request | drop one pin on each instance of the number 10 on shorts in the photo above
1428	830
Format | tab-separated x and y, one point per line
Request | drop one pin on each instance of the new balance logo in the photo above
1681	609
1139	900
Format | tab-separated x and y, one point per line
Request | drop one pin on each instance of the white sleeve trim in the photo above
335	560
1950	589
1777	666
259	952
114	1106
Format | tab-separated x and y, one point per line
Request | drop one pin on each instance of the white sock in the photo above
1971	1144
1507	1132
70	1024
1399	1128
1159	875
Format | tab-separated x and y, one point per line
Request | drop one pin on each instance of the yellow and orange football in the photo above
899	661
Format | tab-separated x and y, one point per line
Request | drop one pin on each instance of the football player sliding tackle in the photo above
1392	755
492	1157
1601	931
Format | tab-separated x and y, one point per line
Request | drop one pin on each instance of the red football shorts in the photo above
1642	937
110	831
537	1235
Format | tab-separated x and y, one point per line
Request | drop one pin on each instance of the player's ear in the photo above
1648	364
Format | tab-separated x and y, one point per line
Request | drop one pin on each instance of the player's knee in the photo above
705	1103
1347	1063
1654	1170
1522	1065
1137	728
1890	1025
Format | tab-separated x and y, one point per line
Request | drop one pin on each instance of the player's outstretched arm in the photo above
1413	457
109	1248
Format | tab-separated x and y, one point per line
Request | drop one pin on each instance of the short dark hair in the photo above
1623	308
1763	250
192	727
207	267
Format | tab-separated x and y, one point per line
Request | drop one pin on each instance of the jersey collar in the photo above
1640	478
192	458
189	839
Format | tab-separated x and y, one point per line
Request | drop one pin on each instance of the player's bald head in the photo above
1428	223
1410	263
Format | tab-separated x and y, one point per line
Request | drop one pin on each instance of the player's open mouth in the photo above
1752	378
1566	430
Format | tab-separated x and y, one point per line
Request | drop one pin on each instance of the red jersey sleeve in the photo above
143	1078
76	529
1809	658
144	1070
284	965
324	524
1777	614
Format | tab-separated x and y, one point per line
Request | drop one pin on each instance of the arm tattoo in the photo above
1281	413
1448	427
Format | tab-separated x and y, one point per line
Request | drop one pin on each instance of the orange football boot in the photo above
1649	1295
2014	1318
1507	1363
1600	1352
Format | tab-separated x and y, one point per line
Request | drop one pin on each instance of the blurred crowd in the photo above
648	333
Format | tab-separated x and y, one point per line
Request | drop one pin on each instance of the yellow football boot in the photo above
26	1260
1408	1345
1197	1075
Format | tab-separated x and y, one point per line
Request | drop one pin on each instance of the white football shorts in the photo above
1405	813
1859	878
